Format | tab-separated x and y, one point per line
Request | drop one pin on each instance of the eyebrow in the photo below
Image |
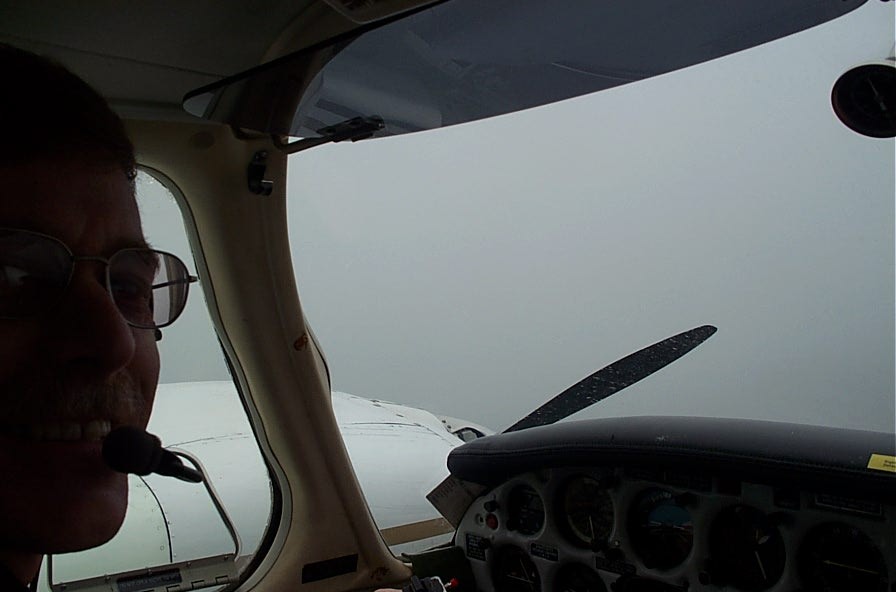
119	245
123	243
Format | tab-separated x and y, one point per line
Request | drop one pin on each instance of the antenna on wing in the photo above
129	449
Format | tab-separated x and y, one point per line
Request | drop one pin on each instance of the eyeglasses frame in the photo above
106	261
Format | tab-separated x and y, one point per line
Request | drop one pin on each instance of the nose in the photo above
91	336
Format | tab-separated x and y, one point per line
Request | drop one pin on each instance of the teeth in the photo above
70	431
92	431
96	429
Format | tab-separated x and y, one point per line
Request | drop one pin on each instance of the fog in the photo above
476	271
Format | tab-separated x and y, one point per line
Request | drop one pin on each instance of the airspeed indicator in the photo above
588	512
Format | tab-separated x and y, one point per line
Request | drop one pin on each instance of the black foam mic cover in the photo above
131	450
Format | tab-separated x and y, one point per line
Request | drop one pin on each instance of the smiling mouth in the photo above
60	431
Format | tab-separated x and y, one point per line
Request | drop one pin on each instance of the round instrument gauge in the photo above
661	530
525	510
747	550
513	571
837	558
576	577
588	512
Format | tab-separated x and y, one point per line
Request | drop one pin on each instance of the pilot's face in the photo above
69	373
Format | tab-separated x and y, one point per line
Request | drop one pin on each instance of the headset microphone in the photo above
132	450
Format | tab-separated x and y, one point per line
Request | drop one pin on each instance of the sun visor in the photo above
465	60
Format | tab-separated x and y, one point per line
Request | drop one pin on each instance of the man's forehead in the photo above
87	205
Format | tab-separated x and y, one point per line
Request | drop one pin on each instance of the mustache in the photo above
118	399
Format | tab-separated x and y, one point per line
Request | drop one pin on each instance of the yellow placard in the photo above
882	462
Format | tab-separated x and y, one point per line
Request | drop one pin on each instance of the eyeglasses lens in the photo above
149	287
34	270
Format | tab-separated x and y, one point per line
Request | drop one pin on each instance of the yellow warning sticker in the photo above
882	462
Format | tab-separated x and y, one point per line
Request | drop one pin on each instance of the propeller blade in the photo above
615	377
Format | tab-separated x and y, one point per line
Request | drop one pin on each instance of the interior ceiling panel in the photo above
197	42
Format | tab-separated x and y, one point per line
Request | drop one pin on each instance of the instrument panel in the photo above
597	529
674	503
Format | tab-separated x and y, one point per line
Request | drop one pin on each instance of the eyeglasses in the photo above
149	287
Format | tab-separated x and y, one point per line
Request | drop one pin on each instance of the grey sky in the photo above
477	270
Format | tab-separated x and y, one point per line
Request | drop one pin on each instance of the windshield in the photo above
476	271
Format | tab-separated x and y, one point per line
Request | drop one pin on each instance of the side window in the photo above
197	410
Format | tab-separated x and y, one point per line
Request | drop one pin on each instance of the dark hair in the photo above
47	111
